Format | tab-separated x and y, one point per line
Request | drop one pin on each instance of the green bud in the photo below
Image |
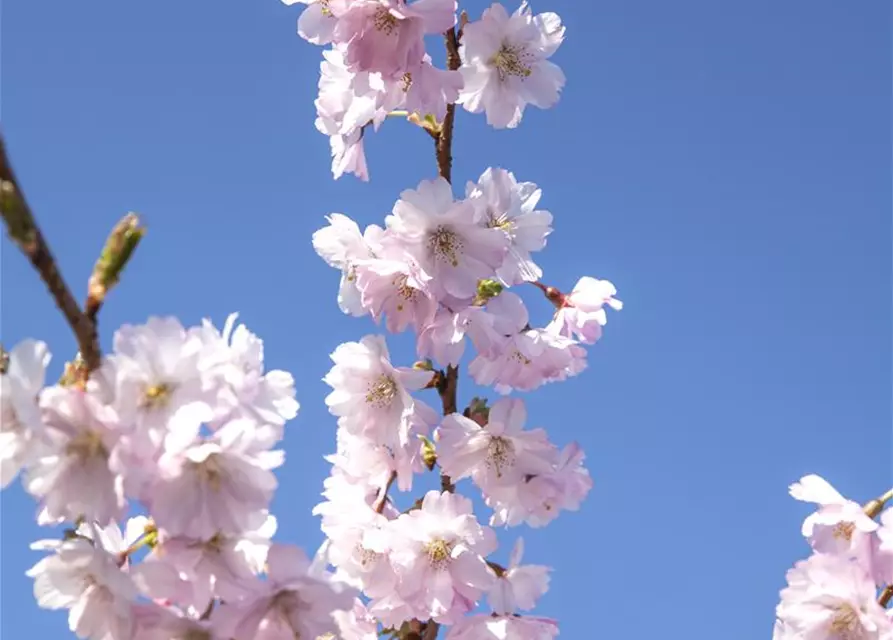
429	453
118	249
487	289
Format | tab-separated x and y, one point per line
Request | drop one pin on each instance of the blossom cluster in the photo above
834	593
376	64
443	268
180	424
178	427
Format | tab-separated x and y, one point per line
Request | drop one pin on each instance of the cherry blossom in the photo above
21	427
386	36
500	453
222	484
504	203
445	238
294	602
505	63
830	597
518	586
581	313
85	578
342	245
73	478
487	627
370	395
439	552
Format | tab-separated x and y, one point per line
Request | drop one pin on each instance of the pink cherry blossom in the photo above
156	622
443	339
504	203
73	478
316	23
525	358
582	312
21	427
883	557
222	484
194	571
439	551
358	540
236	357
396	288
519	586
489	627
293	602
445	239
831	597
361	456
505	63
371	396
84	578
386	36
429	89
159	387
356	624
840	526
342	245
500	453
540	498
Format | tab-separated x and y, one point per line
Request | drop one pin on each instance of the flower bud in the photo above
429	453
118	249
487	289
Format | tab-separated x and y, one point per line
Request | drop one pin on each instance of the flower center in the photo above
324	7
445	244
520	357
365	556
156	395
86	445
405	291
510	61
210	471
500	454
844	530
439	553
385	21
382	392
845	623
499	221
407	81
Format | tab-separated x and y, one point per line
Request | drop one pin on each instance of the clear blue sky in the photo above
726	164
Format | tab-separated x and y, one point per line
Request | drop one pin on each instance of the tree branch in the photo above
443	144
24	232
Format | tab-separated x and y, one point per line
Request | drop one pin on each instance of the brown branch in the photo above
886	596
447	384
443	144
23	230
383	496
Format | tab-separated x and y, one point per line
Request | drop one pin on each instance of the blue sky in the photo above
726	165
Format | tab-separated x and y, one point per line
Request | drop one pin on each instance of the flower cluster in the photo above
443	268
182	423
834	593
376	64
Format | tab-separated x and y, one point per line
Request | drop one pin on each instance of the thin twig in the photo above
383	496
443	144
24	232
